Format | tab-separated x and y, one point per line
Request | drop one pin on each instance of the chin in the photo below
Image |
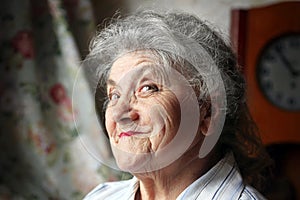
132	162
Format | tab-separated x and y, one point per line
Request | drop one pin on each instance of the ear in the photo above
205	117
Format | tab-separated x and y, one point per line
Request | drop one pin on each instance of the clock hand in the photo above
287	63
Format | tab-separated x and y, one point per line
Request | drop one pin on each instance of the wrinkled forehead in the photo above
137	64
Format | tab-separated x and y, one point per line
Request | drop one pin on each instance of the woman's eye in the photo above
113	96
149	88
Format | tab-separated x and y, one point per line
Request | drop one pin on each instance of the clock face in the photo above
278	72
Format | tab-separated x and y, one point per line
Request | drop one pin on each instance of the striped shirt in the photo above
223	181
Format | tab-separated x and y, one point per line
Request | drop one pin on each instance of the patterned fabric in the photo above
223	181
41	155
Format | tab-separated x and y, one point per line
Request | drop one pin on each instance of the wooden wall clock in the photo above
267	41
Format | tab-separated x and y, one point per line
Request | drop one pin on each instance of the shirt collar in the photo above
223	181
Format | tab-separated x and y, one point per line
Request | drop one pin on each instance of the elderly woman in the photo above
172	101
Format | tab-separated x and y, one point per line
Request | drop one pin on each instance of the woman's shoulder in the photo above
112	190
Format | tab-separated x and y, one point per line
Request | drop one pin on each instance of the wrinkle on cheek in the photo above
172	109
157	116
166	119
156	141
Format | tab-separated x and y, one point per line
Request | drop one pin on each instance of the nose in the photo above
124	112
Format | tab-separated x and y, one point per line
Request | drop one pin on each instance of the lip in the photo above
128	134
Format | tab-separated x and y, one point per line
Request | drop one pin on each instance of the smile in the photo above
129	133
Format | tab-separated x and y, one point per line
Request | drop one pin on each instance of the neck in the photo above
169	182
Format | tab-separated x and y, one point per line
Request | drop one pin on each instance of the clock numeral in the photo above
291	101
268	85
279	47
264	71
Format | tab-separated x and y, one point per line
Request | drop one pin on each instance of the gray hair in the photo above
178	33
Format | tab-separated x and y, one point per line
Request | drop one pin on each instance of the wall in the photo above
216	11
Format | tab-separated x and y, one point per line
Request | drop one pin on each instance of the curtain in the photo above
41	154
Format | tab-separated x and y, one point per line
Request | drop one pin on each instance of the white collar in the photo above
223	181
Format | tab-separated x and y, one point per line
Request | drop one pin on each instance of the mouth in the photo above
129	133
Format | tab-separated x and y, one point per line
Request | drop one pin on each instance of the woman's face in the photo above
143	113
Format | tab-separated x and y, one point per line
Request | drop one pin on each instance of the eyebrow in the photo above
111	82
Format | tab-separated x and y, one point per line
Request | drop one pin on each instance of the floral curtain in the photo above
41	154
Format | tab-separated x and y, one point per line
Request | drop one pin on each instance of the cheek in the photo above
172	110
109	123
163	109
170	117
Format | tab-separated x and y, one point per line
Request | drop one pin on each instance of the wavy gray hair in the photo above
178	33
